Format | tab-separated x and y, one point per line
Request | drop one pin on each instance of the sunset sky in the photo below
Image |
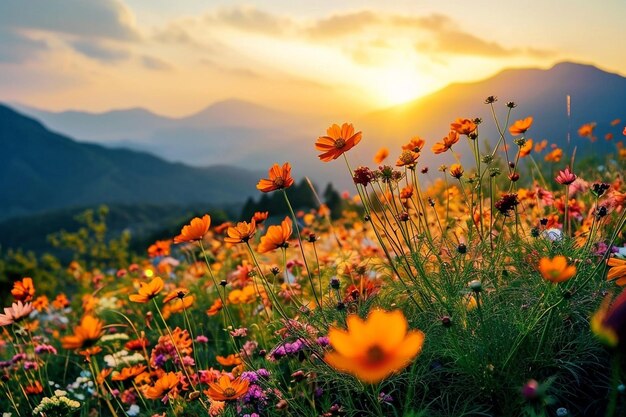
316	57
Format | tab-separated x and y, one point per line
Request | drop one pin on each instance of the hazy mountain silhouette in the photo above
596	96
42	170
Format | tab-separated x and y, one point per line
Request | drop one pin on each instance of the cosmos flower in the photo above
279	179
225	389
556	269
521	126
23	290
147	291
195	230
446	143
609	322
276	236
617	272
381	155
565	177
86	334
337	141
162	387
15	313
374	348
241	233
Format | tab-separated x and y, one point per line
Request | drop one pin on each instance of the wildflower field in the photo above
488	288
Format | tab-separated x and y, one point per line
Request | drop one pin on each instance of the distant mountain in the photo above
41	170
596	96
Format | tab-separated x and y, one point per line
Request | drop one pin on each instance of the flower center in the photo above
279	182
229	392
340	143
375	354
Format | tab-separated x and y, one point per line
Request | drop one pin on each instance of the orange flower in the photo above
60	301
195	230
23	290
162	387
260	216
540	146
86	334
554	155
147	291
34	389
556	269
280	178
617	272
609	322
446	143
374	348
276	236
406	192
456	171
137	344
225	389
177	293
215	308
337	141
463	126
180	304
41	303
381	155
526	148
159	248
521	126
586	130
407	158
415	144
128	372
241	233
230	360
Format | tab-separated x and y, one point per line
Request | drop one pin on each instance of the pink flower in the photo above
15	313
566	177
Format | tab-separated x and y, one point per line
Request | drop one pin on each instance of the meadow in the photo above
490	288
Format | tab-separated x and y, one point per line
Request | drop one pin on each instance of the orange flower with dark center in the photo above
195	230
176	293
180	304
556	269
456	171
225	389
162	387
446	143
241	233
128	372
617	272
415	144
374	348
86	334
337	141
159	248
260	216
147	291
521	126
276	236
407	158
463	126
279	179
23	290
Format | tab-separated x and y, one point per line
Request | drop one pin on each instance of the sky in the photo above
311	57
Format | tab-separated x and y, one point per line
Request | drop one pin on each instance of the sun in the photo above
397	86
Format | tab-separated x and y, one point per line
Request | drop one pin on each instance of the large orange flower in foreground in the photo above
556	269
147	291
276	236
194	230
337	141
86	334
521	126
279	179
225	389
375	348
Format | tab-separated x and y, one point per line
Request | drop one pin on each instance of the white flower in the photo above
134	410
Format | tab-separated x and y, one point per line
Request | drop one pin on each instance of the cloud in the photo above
463	43
16	49
342	24
250	19
100	52
109	19
155	64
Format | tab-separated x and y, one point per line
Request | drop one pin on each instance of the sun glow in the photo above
398	86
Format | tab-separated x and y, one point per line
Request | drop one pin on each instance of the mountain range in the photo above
249	135
41	170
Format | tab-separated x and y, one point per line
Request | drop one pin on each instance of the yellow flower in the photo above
374	348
